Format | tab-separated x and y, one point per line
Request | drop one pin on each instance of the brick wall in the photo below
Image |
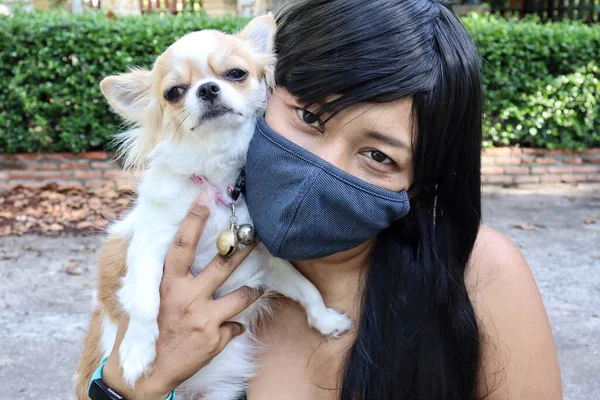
514	166
501	166
82	170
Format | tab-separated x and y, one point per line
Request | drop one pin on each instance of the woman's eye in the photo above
174	93
309	118
236	74
378	157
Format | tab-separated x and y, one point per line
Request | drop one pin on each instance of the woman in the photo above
389	92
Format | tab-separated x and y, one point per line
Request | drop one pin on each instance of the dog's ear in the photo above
260	32
128	94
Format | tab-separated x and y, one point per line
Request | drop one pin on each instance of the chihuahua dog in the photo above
194	115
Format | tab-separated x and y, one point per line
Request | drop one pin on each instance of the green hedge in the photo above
542	86
541	82
51	65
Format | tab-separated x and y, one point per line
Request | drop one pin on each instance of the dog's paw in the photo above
137	350
329	321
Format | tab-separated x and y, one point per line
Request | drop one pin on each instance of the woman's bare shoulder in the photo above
519	358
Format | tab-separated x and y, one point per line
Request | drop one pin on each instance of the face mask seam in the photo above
283	231
329	213
331	173
405	210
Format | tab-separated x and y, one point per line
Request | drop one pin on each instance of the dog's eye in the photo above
174	93
236	74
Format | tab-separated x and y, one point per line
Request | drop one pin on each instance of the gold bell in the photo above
227	241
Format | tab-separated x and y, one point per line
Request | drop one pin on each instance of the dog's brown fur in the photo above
111	268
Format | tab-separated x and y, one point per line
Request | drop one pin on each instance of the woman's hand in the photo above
193	327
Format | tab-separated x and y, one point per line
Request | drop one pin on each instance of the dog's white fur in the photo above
214	149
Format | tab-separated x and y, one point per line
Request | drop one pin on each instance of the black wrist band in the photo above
100	391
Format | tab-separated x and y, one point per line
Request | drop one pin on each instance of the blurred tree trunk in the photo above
276	5
76	7
244	8
121	7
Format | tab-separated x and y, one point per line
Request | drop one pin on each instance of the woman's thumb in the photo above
230	330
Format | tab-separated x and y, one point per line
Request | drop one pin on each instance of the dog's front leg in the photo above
285	279
140	296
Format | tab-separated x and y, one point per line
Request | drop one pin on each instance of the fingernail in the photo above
240	329
203	199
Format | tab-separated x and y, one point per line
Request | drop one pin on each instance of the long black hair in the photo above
418	336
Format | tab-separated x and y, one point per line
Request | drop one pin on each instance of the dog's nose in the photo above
208	91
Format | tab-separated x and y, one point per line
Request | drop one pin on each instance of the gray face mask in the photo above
306	208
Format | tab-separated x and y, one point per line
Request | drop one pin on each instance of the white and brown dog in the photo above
194	115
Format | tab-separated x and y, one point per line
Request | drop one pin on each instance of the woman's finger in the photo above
235	302
183	249
229	330
219	269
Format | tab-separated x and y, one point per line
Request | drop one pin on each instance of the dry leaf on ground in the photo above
54	210
55	227
84	225
72	268
525	227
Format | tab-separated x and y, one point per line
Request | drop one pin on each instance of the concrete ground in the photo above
44	310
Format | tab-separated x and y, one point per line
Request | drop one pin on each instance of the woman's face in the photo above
370	141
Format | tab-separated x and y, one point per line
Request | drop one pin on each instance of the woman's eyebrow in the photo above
387	139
